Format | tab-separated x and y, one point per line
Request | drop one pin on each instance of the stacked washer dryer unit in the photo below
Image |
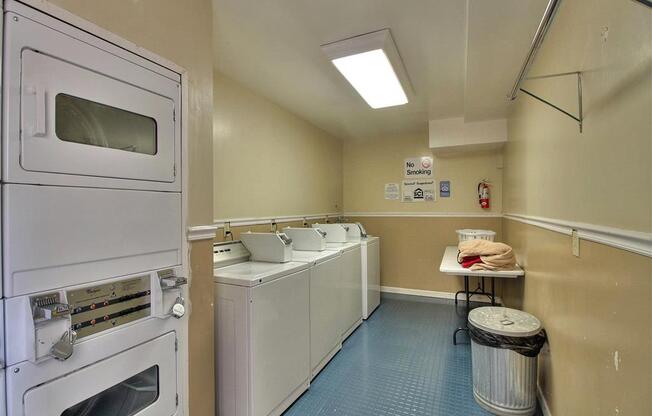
309	246
370	257
351	293
92	224
262	336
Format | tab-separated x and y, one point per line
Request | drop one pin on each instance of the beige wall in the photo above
412	246
180	32
267	161
603	175
411	249
369	165
597	311
596	307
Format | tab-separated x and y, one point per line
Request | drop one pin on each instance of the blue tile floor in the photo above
400	362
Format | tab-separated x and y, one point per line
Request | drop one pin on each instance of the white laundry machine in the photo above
351	294
91	147
92	224
325	292
3	402
262	334
370	258
100	349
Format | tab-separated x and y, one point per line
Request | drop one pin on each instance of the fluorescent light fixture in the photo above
373	67
373	77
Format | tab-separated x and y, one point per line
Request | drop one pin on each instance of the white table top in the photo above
449	265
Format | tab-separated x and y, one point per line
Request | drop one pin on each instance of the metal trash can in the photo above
504	347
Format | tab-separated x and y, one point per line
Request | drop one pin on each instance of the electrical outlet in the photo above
273	227
305	222
576	243
227	230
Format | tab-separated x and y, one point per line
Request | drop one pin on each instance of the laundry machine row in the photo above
280	315
341	233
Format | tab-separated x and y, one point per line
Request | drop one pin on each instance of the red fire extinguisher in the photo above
483	194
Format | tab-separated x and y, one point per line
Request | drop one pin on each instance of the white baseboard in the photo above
435	294
542	402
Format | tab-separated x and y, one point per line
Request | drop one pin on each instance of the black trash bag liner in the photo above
527	346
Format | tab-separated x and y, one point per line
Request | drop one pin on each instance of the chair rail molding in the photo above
634	241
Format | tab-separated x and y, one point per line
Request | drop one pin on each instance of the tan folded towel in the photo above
494	256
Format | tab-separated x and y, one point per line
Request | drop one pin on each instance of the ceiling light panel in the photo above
372	65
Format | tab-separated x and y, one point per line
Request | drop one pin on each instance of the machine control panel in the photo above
285	239
97	308
228	253
48	307
169	279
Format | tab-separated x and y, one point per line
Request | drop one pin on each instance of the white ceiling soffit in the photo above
273	47
499	34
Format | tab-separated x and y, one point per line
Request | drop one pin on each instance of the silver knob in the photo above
63	349
179	308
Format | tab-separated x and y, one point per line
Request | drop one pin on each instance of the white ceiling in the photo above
461	56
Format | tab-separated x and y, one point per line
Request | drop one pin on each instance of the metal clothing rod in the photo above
540	34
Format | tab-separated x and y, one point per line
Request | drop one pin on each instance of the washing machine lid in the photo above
349	245
253	273
505	321
314	256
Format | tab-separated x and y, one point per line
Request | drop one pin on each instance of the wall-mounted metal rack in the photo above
580	117
537	40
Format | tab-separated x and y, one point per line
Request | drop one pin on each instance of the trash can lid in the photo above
505	321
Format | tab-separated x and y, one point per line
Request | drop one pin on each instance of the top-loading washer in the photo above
351	293
262	328
309	246
370	272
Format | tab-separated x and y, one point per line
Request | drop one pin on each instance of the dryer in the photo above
262	331
325	293
107	349
91	156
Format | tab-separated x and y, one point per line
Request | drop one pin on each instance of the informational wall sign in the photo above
418	167
418	190
392	191
445	189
